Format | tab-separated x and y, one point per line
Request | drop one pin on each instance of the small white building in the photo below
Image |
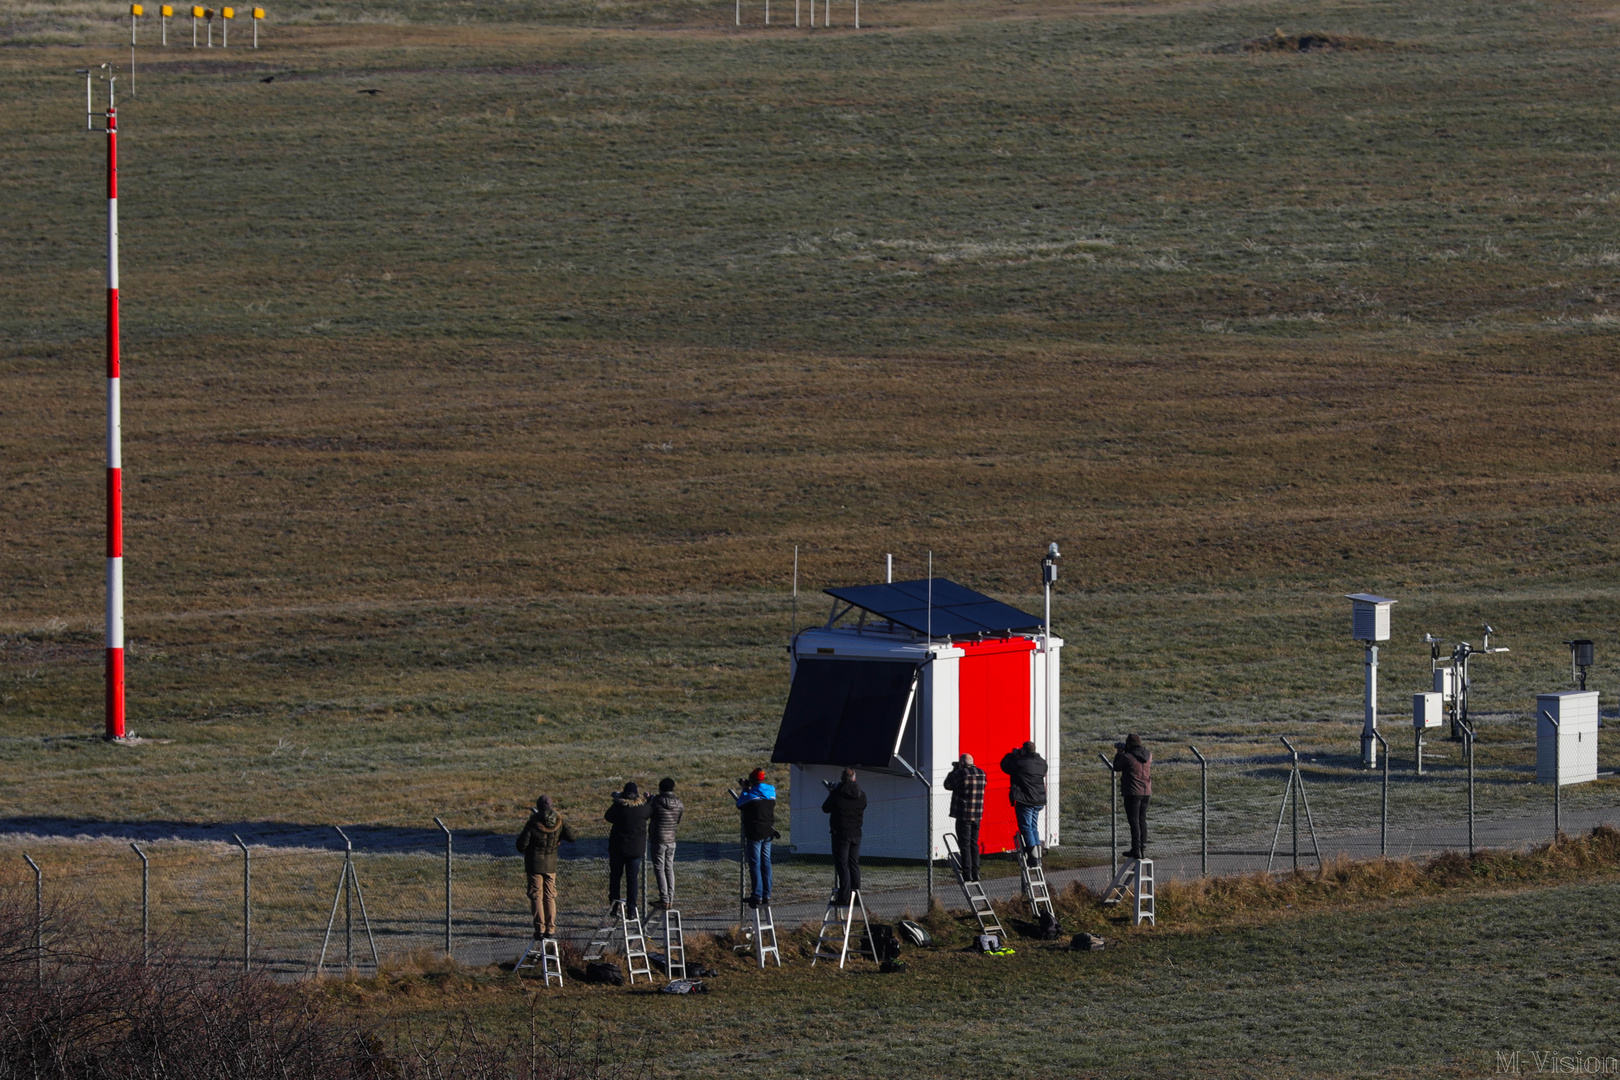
1577	734
901	679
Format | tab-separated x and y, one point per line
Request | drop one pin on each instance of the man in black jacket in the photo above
1027	770
627	843
846	809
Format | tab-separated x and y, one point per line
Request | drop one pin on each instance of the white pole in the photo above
795	12
812	14
857	14
1369	744
889	574
767	12
739	12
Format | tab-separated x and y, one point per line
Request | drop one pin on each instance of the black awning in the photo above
845	712
957	611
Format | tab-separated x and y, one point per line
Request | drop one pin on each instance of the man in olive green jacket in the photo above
538	841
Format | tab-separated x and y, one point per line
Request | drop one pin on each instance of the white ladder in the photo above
635	946
1144	893
765	931
674	945
845	922
1135	877
983	910
549	962
1040	897
602	940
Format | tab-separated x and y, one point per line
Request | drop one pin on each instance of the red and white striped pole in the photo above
115	471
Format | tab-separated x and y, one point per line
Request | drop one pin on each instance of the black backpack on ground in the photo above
1051	929
883	941
604	972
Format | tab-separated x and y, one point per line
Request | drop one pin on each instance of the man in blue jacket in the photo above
757	805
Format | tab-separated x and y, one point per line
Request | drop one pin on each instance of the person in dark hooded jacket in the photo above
1027	771
538	841
627	843
845	806
1134	765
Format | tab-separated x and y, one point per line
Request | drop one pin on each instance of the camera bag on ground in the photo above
893	967
884	943
604	972
1084	942
914	933
685	986
1051	930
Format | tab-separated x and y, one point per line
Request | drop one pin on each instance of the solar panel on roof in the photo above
958	611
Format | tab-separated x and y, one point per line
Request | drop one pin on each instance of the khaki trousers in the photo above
543	903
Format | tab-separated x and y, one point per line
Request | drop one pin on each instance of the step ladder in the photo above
602	940
983	910
1035	890
635	947
1134	877
542	954
765	936
1144	893
833	921
674	946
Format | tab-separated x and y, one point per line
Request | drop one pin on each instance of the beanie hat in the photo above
1133	740
543	804
631	791
666	785
1029	747
757	775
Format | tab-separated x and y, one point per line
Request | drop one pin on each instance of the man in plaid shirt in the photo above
966	785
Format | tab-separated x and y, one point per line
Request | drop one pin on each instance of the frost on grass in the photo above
849	246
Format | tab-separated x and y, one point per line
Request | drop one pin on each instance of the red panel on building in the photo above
995	720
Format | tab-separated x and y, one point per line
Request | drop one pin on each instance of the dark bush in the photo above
91	1008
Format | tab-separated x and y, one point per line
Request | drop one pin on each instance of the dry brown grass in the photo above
1200	904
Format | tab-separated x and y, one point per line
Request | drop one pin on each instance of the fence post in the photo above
39	920
146	907
1558	778
1113	818
1203	815
1383	817
446	829
247	892
1468	744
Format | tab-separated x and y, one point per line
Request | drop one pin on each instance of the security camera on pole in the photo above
1369	624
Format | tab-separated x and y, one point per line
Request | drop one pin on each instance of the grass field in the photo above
470	427
1363	975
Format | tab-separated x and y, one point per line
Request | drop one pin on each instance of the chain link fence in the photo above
295	900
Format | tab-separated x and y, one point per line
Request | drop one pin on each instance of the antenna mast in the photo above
115	471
